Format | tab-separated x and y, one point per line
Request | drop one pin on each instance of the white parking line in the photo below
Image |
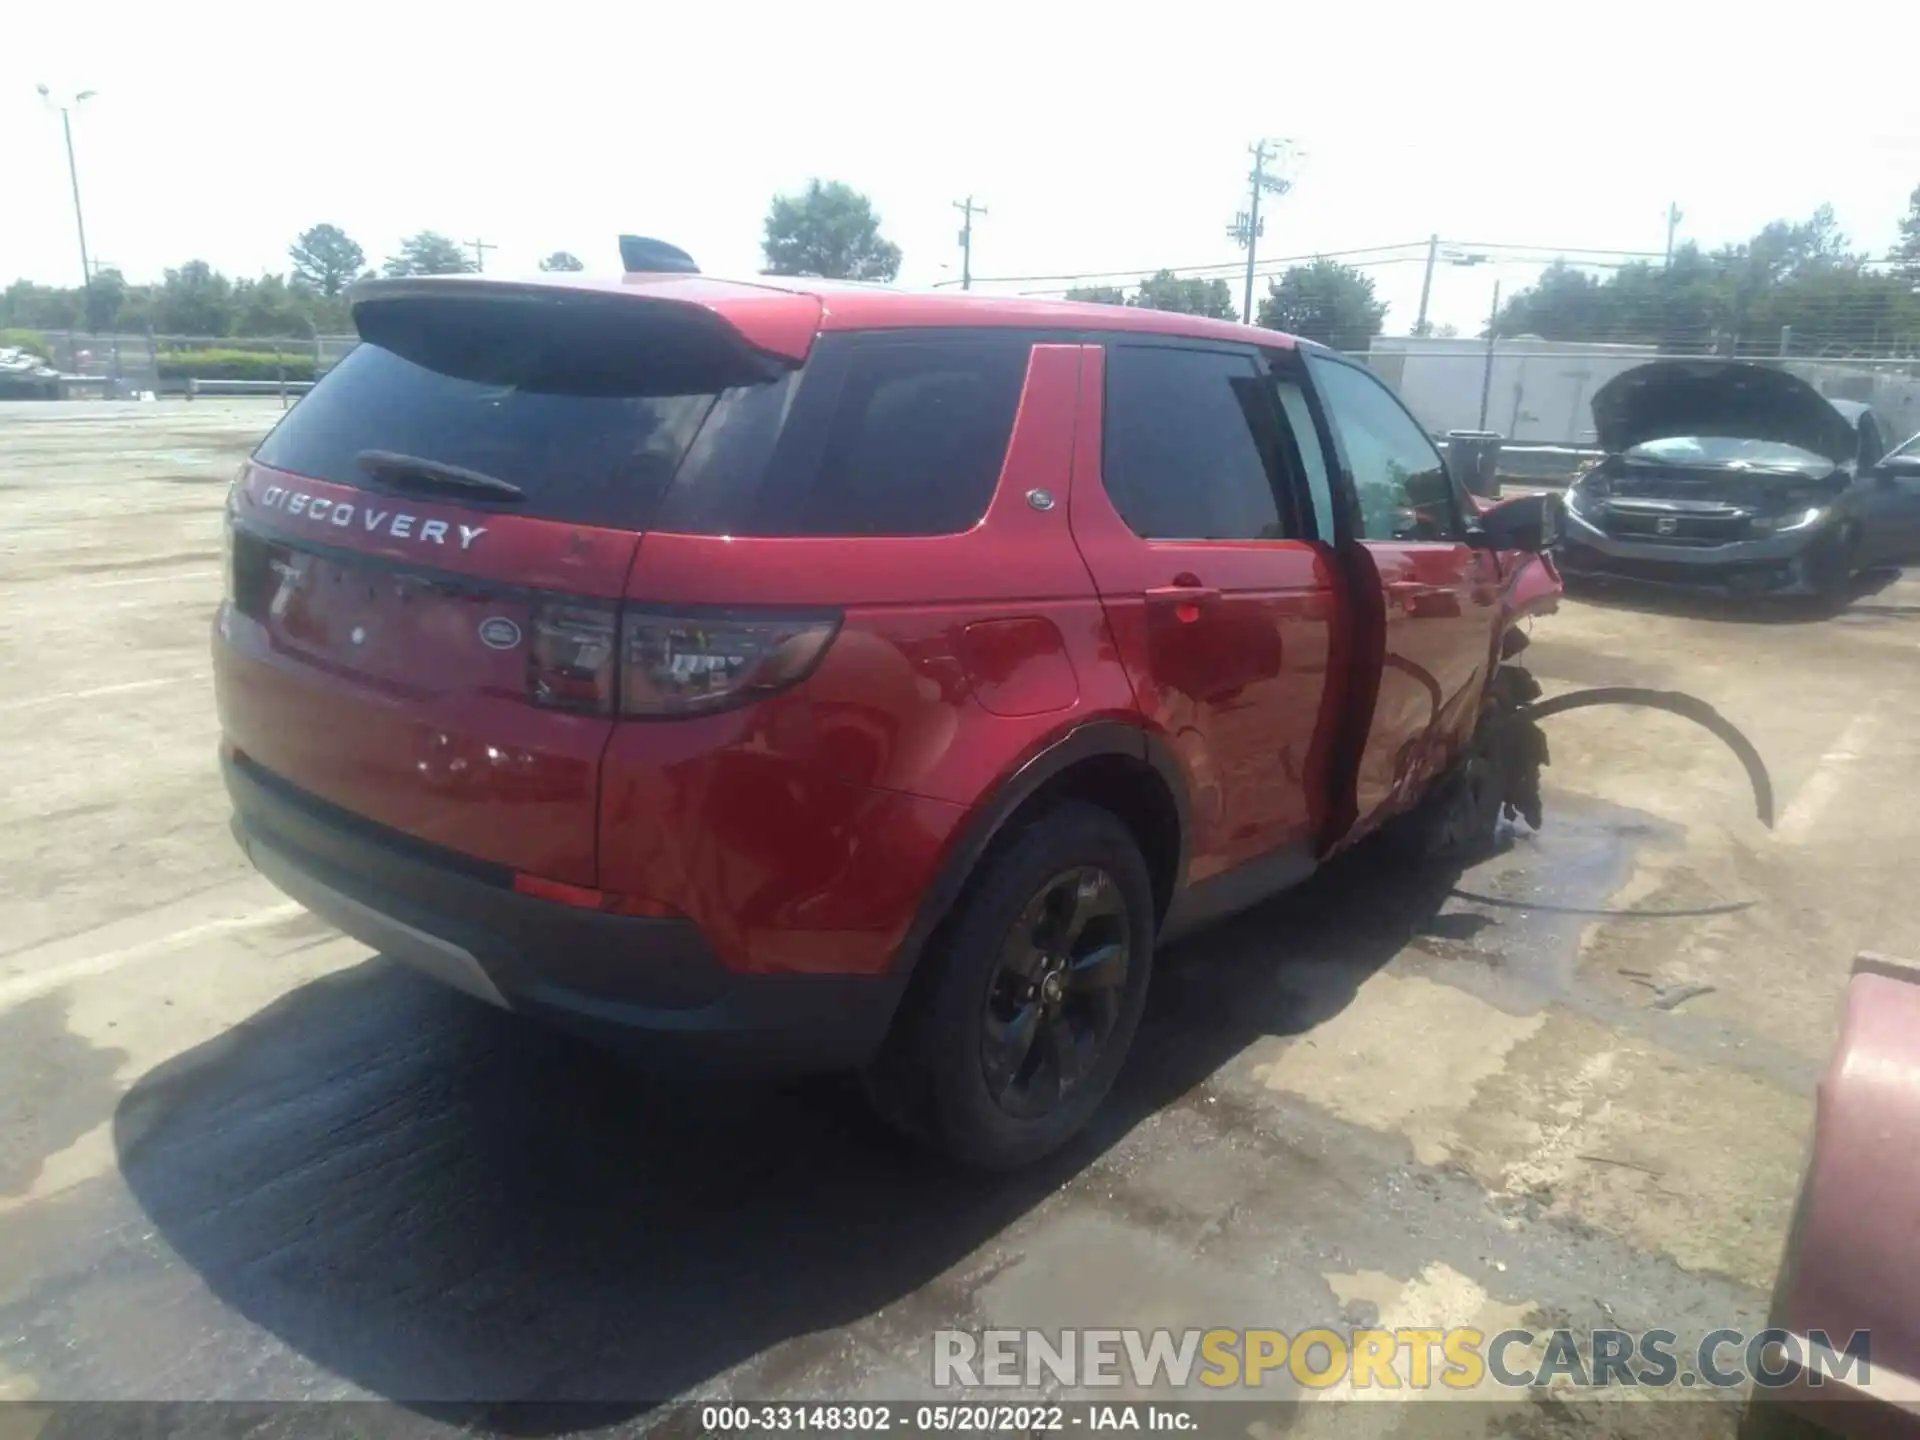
62	696
1829	773
166	579
63	583
35	983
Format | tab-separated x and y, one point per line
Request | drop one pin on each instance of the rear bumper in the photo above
646	986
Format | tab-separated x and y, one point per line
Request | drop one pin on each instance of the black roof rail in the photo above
641	255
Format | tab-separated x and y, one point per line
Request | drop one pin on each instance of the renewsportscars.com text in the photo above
1411	1359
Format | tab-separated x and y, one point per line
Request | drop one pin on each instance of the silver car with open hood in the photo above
1736	477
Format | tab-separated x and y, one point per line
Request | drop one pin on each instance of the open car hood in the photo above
1728	398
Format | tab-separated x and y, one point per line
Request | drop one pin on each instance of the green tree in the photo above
27	306
195	299
325	259
1098	294
271	307
104	300
1906	250
429	253
829	230
1163	290
1795	283
1324	301
562	260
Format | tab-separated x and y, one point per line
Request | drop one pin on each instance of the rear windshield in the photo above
617	422
574	408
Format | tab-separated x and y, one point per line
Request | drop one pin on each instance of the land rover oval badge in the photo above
497	632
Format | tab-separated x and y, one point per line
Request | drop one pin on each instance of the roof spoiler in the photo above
642	256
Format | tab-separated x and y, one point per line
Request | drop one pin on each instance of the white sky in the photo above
1100	137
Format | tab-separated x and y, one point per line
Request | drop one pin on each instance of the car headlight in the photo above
1586	496
1796	519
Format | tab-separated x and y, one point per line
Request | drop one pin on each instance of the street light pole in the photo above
1486	373
1426	284
73	175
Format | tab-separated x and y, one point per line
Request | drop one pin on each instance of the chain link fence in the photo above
1537	395
121	366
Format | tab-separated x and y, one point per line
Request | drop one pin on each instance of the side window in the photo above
1872	447
1293	404
1182	455
917	439
1401	482
886	436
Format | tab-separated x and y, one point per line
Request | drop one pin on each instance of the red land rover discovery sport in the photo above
805	677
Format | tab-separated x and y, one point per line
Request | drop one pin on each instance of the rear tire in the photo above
1028	997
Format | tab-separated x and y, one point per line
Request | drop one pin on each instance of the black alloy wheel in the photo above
1022	1010
1055	996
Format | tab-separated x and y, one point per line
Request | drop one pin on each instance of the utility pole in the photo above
1486	374
967	209
1674	217
73	175
1426	284
480	248
1247	227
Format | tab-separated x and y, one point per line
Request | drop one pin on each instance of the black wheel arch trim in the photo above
1090	741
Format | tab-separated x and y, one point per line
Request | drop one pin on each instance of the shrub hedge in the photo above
32	341
235	365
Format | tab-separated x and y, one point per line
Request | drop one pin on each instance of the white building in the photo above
1535	390
1541	390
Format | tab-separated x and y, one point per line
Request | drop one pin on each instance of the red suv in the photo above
802	676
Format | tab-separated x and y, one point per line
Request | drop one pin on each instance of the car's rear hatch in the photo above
427	553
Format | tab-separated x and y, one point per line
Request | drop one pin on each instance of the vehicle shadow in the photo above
1756	610
454	1209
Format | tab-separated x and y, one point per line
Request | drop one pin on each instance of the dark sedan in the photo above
1740	478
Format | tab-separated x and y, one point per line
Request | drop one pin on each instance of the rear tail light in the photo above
570	658
664	665
675	665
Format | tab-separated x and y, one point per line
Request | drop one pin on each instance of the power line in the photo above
1229	266
1555	249
1516	255
1268	269
1413	251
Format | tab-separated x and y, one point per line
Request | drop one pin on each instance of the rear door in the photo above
1221	611
427	553
1439	595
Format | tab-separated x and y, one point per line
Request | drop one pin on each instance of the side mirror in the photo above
1526	522
1897	467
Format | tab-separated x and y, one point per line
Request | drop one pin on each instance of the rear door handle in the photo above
1184	594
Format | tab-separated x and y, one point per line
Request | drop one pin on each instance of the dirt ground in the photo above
242	1159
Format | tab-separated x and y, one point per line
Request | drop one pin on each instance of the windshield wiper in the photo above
411	472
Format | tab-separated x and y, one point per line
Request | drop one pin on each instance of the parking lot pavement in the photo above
241	1158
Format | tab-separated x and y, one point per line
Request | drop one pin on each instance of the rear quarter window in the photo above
898	434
